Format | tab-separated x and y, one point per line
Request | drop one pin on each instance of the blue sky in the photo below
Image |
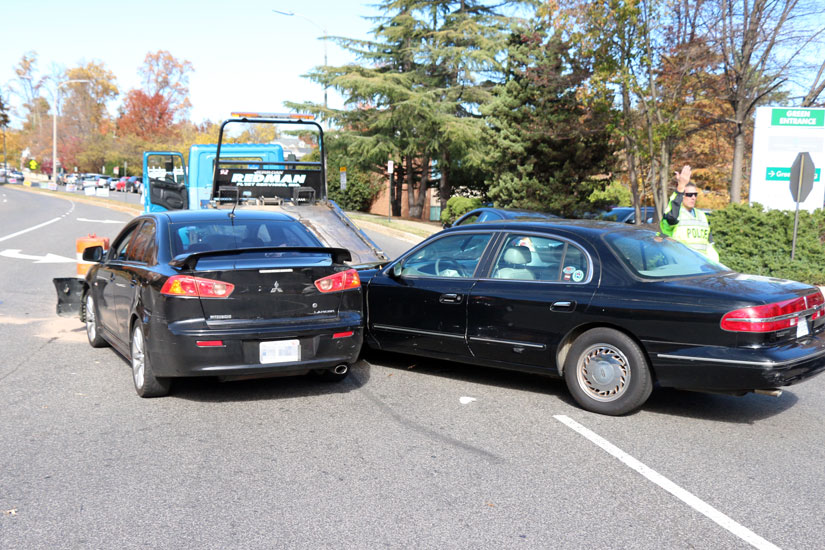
245	57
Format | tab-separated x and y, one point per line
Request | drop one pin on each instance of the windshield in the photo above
652	256
200	236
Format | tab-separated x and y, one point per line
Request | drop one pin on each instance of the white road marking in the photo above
466	400
100	221
38	226
49	258
688	498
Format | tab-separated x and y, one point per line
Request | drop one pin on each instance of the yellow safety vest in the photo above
693	230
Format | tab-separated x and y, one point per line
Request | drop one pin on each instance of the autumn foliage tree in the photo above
152	111
146	116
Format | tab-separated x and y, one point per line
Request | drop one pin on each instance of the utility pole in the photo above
4	122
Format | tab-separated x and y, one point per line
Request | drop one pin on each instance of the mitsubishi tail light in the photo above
776	316
343	280
196	287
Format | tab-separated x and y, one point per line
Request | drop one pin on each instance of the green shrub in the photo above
457	207
752	240
615	194
358	195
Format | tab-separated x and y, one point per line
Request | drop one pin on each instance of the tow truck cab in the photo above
258	176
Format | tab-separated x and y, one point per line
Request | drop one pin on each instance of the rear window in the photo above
652	256
229	235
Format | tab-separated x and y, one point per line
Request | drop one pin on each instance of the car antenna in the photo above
232	213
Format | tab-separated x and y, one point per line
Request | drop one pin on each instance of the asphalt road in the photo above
405	453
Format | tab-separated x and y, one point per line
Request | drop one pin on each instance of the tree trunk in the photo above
420	195
738	164
664	176
396	192
410	185
630	151
444	187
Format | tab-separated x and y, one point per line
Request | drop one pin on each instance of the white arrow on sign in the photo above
49	258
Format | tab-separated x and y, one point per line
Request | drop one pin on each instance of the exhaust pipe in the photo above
341	369
773	393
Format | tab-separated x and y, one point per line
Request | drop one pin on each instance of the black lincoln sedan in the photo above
222	293
610	308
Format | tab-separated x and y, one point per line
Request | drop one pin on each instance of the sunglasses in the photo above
691	194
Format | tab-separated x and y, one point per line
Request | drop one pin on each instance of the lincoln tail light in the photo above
196	287
343	280
773	317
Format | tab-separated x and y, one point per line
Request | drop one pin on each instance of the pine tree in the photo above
417	92
547	142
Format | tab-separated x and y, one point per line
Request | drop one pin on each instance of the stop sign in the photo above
802	177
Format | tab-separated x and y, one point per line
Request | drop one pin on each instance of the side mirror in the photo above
93	254
395	272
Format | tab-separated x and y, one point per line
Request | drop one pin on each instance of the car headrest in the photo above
517	255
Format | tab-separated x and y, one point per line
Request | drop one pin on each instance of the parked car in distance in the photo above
127	184
222	293
608	307
488	213
627	214
89	180
11	175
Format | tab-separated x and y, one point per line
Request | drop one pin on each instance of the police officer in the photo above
684	222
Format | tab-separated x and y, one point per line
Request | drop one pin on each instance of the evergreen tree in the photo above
547	142
415	97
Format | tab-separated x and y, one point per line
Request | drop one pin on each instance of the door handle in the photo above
563	306
450	298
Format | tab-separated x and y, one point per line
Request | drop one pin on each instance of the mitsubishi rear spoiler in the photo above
190	260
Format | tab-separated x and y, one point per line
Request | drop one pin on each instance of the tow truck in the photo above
257	176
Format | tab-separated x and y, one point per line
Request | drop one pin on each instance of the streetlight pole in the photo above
323	30
54	123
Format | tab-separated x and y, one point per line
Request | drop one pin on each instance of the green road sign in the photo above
783	174
798	117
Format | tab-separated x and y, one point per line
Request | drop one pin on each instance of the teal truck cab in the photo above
258	176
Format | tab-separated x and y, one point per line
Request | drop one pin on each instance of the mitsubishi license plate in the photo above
280	351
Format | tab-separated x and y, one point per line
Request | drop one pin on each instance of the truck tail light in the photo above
343	280
196	287
773	317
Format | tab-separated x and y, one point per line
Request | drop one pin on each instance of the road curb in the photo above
389	231
98	201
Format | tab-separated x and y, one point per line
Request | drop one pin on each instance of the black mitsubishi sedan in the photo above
610	308
222	293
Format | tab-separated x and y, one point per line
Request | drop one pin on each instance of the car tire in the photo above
607	373
146	383
92	326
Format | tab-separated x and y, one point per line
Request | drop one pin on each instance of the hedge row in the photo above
752	240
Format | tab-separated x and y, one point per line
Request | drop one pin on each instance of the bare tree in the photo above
817	87
760	42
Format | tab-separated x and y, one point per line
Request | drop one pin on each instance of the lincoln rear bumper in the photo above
740	369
